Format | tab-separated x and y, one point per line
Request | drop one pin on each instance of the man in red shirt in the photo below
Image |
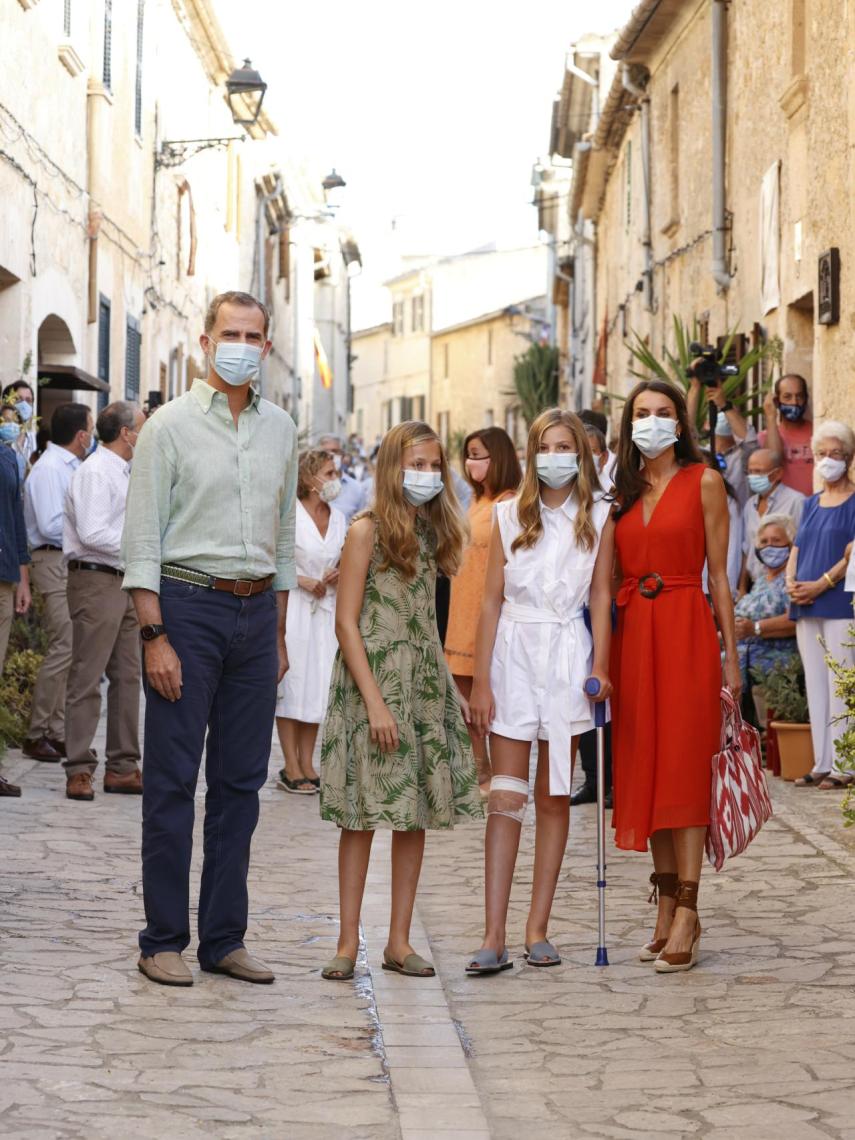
788	432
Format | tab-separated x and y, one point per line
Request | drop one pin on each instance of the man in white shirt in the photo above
769	496
71	430
105	635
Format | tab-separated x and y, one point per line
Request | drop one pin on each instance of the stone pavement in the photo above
758	1042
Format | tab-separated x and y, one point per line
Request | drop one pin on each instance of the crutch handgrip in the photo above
592	688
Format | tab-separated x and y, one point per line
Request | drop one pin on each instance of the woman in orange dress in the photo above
493	471
666	663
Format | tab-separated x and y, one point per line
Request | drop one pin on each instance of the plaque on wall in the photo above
828	289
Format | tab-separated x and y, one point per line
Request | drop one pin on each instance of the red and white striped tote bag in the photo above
740	802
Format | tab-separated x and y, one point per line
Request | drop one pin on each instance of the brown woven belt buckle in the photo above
243	593
650	591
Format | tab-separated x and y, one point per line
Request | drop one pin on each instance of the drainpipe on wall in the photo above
261	245
720	271
646	238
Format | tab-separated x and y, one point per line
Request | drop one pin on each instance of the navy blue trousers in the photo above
227	648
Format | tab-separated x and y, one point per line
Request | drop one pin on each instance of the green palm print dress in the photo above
430	781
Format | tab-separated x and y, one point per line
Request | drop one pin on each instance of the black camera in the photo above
707	367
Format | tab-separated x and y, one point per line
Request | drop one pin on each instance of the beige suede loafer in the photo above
240	964
167	969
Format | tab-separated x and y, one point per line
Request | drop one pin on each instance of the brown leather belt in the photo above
239	587
242	587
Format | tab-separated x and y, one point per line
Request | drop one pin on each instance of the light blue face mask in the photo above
25	411
421	486
557	469
9	432
760	484
237	364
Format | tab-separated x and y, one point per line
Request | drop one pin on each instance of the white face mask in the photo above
557	469
831	470
421	486
237	364
654	434
330	490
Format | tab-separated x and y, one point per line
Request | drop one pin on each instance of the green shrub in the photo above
16	694
844	685
784	685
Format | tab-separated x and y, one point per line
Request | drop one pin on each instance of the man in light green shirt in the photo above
209	555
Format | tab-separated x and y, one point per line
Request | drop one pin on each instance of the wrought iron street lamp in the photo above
245	93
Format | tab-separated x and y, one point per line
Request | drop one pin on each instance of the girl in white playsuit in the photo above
551	552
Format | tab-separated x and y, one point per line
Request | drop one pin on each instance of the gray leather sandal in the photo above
339	969
488	962
542	954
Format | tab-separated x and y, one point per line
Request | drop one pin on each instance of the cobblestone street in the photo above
759	1041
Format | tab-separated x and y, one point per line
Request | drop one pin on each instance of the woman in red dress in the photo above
666	663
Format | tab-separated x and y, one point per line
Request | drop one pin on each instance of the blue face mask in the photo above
773	556
760	484
25	411
421	486
9	432
792	412
557	469
237	364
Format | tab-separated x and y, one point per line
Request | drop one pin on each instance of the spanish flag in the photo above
323	364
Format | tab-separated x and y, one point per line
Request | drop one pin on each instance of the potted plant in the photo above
784	685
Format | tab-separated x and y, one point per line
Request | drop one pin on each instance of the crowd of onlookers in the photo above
792	512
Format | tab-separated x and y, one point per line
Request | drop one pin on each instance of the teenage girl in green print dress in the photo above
396	751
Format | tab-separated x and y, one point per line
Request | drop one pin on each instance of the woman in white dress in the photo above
310	637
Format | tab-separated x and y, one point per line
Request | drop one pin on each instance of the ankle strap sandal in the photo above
664	884
687	896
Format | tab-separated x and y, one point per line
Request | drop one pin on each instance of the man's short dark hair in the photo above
596	419
594	433
792	376
67	421
234	297
113	418
16	386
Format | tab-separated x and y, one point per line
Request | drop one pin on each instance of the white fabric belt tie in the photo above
567	702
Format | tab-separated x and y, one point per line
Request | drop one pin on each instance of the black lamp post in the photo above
333	181
245	92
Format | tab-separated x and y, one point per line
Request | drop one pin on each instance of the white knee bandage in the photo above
508	796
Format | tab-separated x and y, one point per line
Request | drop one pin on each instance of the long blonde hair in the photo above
587	482
396	534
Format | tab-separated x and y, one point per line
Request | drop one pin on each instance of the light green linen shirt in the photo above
211	496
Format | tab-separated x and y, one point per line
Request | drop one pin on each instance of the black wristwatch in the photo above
727	406
151	632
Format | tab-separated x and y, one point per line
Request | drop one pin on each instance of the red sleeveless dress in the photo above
665	668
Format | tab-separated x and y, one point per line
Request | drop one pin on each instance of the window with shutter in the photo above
104	339
138	78
107	71
133	341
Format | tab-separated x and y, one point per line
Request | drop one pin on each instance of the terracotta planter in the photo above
795	749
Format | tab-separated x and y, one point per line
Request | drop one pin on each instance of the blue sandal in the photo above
488	962
542	954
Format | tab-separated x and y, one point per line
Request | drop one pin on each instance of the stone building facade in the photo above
132	196
446	356
760	98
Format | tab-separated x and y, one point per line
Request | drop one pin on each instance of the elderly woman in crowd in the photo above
766	633
821	605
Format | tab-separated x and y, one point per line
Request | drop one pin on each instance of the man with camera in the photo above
733	437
